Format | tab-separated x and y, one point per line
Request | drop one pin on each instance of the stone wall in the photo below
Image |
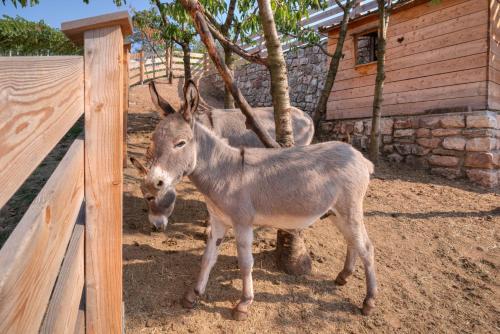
453	145
306	72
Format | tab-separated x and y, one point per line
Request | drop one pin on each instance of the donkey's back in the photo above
304	181
230	124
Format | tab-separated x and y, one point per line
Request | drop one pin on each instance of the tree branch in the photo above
229	18
340	5
319	45
194	8
213	20
253	58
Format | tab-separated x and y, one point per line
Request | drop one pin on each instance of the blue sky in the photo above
53	12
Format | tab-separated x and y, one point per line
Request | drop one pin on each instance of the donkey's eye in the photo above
180	144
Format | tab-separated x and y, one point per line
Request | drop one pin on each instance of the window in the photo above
366	48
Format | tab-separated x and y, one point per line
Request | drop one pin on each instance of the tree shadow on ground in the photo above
434	214
176	270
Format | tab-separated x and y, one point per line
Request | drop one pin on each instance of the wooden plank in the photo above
474	102
434	56
455	91
464	49
80	322
433	81
442	28
40	100
425	70
422	35
104	179
429	14
31	257
417	48
62	312
468	34
76	29
494	75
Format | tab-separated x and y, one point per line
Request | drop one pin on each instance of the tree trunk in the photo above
194	9
291	253
320	112
229	61
279	79
383	21
170	63
187	61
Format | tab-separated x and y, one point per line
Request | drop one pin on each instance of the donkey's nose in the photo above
159	184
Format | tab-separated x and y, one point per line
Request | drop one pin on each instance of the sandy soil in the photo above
437	257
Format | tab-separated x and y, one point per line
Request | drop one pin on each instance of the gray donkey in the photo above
228	124
287	188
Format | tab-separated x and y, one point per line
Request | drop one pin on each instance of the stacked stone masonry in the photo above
453	145
306	73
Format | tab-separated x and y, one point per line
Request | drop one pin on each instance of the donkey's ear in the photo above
191	100
159	101
142	170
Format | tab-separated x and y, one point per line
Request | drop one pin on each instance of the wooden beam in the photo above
62	313
40	100
103	178
31	257
76	29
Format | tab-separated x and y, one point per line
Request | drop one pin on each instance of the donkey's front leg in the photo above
215	236
244	238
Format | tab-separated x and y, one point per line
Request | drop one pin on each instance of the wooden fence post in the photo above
141	66
103	57
153	58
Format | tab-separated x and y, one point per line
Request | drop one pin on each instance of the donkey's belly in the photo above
284	222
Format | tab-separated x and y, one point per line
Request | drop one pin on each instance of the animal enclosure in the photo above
143	68
61	268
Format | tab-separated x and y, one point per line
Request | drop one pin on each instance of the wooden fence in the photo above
143	67
61	268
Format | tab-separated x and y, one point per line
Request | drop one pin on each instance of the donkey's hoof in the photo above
239	315
186	303
340	280
368	306
189	299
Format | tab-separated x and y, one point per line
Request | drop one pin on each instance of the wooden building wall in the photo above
494	57
437	57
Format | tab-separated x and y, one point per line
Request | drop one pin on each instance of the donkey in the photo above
286	188
228	124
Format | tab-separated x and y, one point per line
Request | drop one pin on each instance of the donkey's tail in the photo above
369	166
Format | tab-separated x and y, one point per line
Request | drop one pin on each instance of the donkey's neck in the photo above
216	161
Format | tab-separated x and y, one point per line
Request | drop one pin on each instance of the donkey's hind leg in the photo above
244	238
215	236
350	224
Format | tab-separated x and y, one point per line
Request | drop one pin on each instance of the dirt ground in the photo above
437	257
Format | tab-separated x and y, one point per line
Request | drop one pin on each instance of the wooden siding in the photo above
494	57
436	58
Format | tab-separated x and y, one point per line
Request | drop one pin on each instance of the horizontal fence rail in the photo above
45	98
